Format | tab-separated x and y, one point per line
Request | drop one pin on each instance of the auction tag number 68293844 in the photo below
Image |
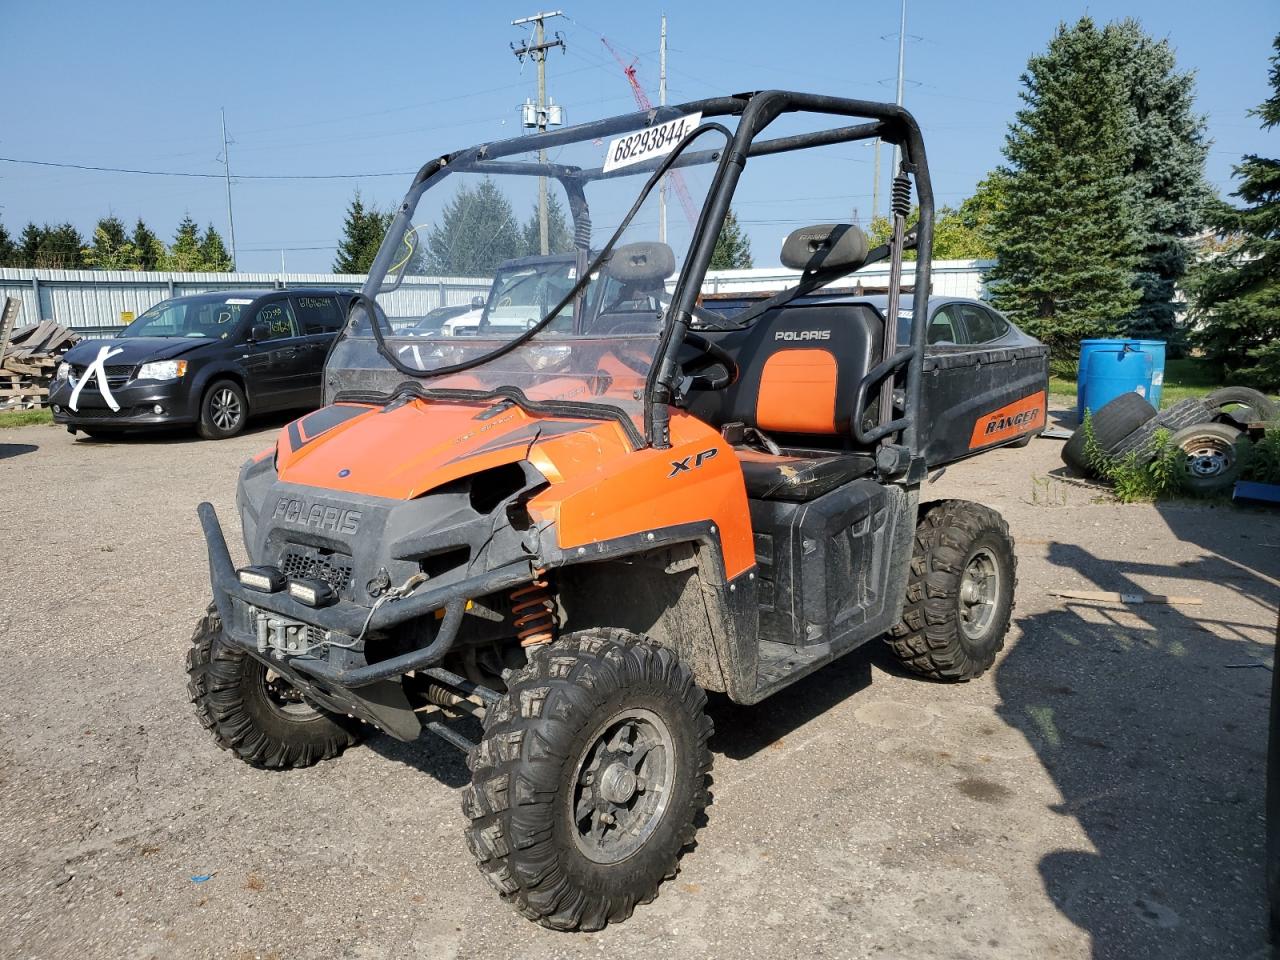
649	143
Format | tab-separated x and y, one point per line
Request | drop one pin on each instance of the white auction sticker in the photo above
646	144
239	300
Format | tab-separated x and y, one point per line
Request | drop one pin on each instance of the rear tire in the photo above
264	722
960	592
589	778
1112	422
224	410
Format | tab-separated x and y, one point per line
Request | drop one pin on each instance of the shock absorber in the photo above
901	196
533	611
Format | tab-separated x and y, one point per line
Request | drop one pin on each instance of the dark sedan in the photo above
211	360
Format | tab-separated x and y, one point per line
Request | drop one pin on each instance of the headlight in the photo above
64	371
163	370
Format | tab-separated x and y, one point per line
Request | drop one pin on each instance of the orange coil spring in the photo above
532	609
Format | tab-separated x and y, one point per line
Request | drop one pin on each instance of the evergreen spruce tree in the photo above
8	249
184	255
52	248
213	252
29	245
110	248
1168	191
362	234
477	231
148	250
1236	293
733	247
559	236
1067	238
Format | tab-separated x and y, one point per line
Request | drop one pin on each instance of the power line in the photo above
209	176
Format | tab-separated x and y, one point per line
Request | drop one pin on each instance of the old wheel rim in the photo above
225	409
979	594
621	785
284	698
1208	457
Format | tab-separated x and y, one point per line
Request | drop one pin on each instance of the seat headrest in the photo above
825	246
641	263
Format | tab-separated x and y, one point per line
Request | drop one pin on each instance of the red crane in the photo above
642	101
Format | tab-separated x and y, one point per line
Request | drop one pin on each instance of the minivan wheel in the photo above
223	411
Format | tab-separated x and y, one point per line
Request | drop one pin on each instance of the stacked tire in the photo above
1209	431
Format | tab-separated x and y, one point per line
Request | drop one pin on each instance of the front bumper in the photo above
137	400
331	666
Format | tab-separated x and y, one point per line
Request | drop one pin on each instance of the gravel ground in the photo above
1098	794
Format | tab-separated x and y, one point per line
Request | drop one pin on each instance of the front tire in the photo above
589	778
959	592
261	719
224	410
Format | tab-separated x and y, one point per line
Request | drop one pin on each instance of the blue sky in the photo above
322	88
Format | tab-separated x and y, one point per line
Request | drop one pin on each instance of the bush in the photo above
1137	480
1263	464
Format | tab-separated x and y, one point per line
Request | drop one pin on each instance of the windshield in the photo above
574	287
205	318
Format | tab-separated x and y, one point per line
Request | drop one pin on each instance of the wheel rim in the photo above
1208	457
979	593
225	409
284	698
621	785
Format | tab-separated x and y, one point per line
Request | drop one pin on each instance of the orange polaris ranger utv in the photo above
605	498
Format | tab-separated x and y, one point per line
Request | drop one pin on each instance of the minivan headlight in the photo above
163	370
64	371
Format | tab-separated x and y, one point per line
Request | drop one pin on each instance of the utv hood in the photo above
407	448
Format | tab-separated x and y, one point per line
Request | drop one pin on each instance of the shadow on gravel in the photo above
267	423
743	731
9	450
1155	735
431	755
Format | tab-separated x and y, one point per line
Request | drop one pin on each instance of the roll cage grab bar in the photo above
755	111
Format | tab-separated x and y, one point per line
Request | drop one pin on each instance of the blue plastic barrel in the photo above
1109	368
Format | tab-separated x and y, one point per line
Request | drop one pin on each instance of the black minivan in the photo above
211	359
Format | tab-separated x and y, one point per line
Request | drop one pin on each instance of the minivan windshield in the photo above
573	256
202	317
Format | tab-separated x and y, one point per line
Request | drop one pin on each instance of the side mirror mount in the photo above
259	332
477	303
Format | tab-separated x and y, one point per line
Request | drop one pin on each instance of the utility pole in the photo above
226	169
897	153
662	102
537	51
902	47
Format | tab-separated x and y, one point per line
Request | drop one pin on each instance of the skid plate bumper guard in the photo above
345	619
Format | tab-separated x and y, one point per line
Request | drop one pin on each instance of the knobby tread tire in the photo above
219	678
928	639
525	764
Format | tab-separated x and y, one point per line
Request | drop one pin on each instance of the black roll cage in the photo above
755	111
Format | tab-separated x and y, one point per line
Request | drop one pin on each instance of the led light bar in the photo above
263	579
312	592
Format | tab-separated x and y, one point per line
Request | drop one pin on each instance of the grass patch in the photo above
1186	377
24	418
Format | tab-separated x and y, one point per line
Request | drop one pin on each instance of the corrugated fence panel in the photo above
97	298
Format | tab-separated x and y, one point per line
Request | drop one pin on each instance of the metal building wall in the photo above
87	299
